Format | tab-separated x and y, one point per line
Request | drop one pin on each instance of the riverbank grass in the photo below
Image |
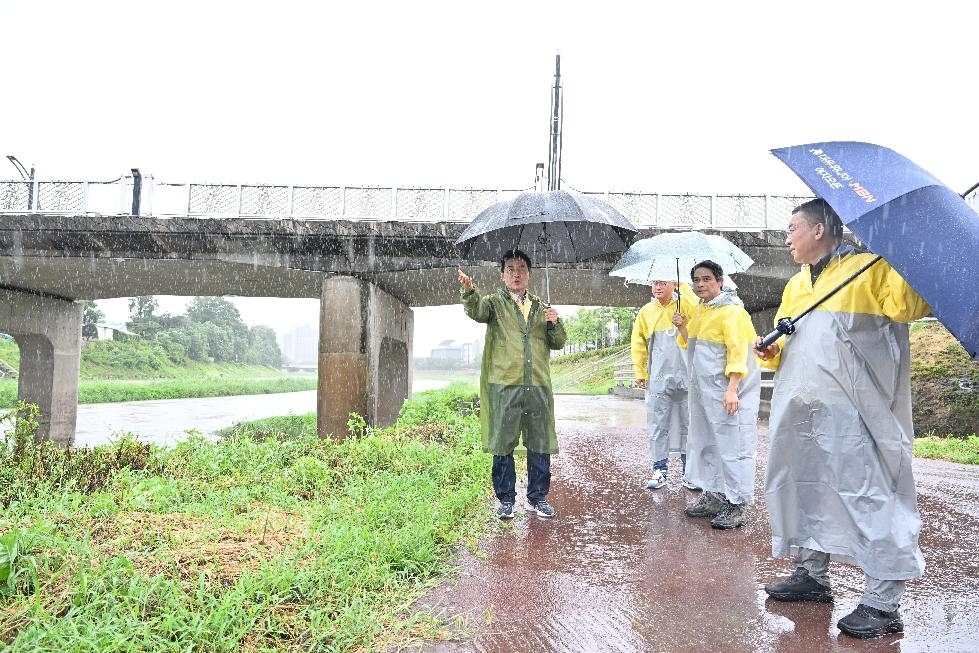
267	540
99	392
957	450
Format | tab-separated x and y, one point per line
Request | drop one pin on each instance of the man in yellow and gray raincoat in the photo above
515	382
660	369
839	483
725	391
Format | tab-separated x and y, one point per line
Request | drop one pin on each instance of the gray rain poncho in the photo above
840	433
721	447
657	357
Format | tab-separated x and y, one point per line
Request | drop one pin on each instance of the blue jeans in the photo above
661	464
538	477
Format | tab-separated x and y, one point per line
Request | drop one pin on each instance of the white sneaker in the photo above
690	486
657	481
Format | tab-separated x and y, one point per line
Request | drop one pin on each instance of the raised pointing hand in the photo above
465	280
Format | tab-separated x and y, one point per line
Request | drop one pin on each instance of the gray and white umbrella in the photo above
662	257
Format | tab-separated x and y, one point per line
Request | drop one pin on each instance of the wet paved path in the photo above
622	568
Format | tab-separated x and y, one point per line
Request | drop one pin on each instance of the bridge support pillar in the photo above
48	332
364	355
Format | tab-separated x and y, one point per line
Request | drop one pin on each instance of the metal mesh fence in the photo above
372	203
264	201
422	204
317	201
685	210
645	210
780	209
61	196
13	195
738	211
464	205
641	208
213	199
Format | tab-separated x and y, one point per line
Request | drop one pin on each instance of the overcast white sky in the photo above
659	97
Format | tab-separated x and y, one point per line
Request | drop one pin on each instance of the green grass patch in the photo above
9	352
597	379
266	540
595	386
99	392
94	392
957	450
8	393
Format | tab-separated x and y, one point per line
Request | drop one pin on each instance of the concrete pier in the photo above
48	331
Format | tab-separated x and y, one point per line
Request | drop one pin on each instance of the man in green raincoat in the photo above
515	381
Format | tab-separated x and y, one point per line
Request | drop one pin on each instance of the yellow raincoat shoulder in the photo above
878	291
654	318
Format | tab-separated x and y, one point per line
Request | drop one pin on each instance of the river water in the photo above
167	421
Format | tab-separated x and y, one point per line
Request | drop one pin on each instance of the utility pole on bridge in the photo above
557	117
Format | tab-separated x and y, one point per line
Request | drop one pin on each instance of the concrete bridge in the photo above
367	273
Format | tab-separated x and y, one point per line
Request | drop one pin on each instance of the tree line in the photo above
603	326
210	331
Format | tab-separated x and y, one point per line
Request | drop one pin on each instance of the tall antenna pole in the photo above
557	117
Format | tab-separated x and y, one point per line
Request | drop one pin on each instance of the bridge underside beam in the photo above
364	355
48	332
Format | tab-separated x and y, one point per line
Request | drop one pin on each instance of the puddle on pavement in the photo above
622	569
601	410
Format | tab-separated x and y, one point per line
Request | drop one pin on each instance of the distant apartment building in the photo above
456	350
299	346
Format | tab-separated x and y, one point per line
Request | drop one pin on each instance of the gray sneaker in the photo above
543	508
710	504
505	510
733	516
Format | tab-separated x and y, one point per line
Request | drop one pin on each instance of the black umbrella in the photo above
553	226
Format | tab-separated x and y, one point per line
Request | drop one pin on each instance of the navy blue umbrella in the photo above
901	212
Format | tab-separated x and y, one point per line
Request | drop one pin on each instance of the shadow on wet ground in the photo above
622	569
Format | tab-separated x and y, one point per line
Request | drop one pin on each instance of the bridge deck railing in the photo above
163	199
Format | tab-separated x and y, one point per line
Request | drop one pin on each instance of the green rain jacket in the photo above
515	383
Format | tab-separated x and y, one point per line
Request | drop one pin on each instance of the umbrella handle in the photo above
785	327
